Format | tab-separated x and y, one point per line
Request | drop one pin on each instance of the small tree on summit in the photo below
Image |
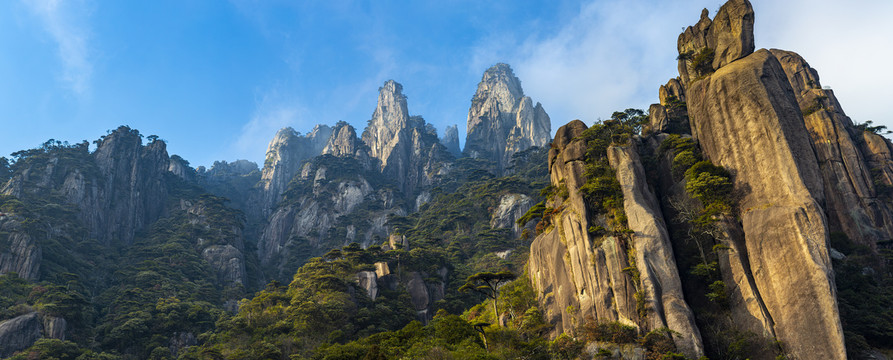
488	283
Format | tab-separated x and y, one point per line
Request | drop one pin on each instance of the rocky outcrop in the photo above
180	167
132	187
344	142
285	155
450	140
181	341
747	119
368	280
851	201
502	121
326	191
118	190
573	269
407	149
424	294
671	114
54	327
22	255
227	261
728	37
877	151
390	117
662	290
511	208
19	333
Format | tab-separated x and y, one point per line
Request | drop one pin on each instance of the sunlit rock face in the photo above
746	117
502	121
407	149
578	275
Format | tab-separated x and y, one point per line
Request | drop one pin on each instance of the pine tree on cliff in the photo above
488	283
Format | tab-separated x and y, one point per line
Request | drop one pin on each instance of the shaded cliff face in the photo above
285	154
21	253
746	118
332	202
851	199
450	140
119	189
132	190
502	121
573	266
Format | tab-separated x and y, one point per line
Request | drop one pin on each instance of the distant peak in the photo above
500	68
502	73
391	86
286	131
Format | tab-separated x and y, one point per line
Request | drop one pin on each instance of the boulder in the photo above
19	333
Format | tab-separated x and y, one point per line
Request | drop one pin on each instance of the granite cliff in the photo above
502	121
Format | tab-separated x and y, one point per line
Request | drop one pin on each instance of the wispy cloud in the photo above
66	21
612	55
846	42
273	111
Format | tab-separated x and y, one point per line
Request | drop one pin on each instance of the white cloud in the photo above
66	22
847	42
614	54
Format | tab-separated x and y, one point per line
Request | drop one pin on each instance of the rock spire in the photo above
502	121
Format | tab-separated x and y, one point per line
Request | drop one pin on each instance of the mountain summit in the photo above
501	120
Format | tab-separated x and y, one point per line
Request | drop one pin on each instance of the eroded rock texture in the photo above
19	333
407	148
851	200
579	275
23	254
729	36
502	121
285	154
746	117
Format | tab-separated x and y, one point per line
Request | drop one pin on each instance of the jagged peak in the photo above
392	87
500	75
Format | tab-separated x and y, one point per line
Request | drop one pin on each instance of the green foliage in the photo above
865	296
602	190
684	160
717	293
869	126
53	349
322	305
706	271
709	183
614	332
488	283
702	61
534	212
659	345
565	347
5	172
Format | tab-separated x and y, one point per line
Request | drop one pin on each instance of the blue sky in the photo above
216	79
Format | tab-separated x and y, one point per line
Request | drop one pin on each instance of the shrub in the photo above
615	332
702	61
